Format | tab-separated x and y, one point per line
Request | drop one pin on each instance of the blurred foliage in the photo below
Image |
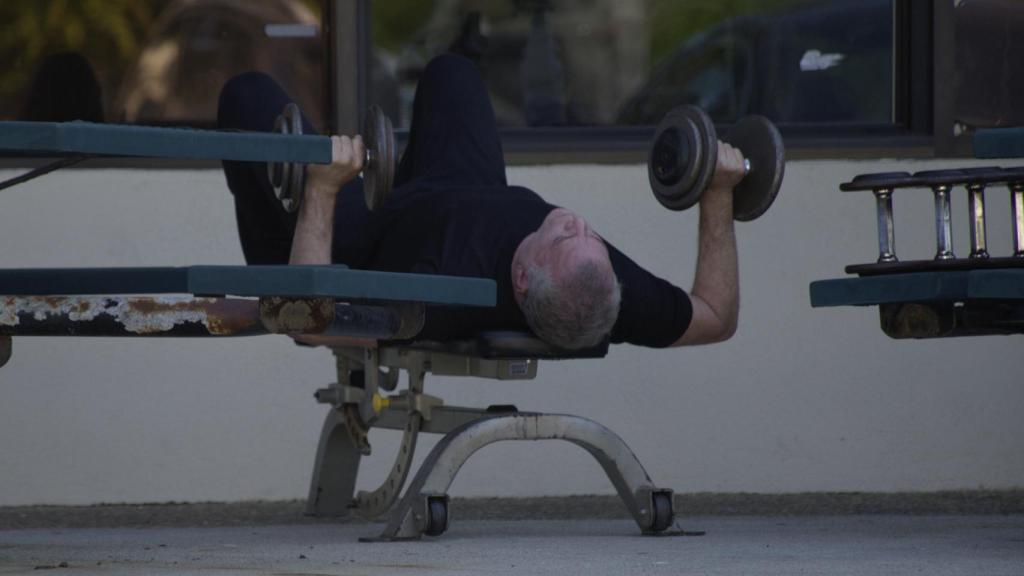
396	22
110	32
674	21
400	22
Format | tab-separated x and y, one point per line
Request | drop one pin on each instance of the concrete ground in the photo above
249	539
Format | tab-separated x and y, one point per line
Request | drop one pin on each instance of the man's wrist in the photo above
319	192
318	203
717	196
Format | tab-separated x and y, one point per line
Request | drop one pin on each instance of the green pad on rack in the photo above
292	281
62	138
950	286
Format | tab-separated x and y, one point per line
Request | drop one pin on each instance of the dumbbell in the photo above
684	152
942	183
288	179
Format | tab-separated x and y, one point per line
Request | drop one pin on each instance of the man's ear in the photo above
520	279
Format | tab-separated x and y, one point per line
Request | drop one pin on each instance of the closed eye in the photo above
590	234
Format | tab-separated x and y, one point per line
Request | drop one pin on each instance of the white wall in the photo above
801	399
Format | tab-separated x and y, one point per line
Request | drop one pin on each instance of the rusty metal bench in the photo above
251	300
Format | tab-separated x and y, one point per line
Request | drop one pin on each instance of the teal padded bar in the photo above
999	143
890	288
959	285
157	142
997	284
294	281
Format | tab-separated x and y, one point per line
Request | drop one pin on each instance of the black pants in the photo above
453	141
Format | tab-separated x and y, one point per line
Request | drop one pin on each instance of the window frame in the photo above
924	124
923	112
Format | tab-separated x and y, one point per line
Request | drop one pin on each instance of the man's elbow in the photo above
707	333
729	330
725	331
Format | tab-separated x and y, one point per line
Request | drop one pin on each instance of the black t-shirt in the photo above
474	231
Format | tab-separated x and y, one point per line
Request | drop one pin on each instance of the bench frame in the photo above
356	407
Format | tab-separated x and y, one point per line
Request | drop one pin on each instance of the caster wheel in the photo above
662	512
437	516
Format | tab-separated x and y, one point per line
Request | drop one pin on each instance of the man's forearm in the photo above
314	229
717	278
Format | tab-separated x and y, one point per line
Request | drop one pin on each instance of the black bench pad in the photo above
498	345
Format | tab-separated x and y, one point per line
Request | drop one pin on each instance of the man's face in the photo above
564	240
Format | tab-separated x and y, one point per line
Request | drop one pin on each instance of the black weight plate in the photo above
931	265
296	183
760	142
941	177
709	141
286	178
879	181
275	170
370	141
388	163
1014	175
376	134
675	158
984	175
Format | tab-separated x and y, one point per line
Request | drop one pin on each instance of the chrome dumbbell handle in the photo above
976	207
1017	208
943	223
886	228
882	185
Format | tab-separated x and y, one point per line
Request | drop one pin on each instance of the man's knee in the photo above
450	73
240	100
449	63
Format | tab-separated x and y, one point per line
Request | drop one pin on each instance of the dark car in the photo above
826	62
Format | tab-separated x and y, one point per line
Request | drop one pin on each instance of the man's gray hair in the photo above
577	312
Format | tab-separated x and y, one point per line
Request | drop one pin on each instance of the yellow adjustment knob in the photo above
380	403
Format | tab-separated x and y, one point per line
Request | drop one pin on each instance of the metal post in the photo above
332	487
886	230
1017	207
976	205
6	347
943	223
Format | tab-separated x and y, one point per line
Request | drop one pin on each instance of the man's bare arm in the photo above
314	228
715	295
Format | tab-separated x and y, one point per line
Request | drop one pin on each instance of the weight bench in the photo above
360	401
380	306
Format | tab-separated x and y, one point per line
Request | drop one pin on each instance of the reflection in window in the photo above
609	62
989	80
153	61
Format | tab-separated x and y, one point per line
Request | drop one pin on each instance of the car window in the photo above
605	62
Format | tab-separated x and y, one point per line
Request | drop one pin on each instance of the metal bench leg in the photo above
424	508
334	473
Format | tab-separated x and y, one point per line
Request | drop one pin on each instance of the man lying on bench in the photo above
452	212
